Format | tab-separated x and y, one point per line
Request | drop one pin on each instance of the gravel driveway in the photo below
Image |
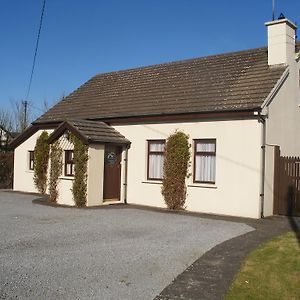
112	253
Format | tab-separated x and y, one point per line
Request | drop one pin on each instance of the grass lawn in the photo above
271	271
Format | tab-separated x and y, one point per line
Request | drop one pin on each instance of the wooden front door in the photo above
112	173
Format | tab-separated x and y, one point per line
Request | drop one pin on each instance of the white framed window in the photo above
205	161
156	152
69	163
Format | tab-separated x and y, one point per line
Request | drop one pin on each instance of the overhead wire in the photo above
36	50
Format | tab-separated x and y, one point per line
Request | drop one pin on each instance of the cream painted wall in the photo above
283	115
238	166
269	181
95	175
65	195
23	177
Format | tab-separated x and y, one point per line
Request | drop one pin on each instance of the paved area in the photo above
111	253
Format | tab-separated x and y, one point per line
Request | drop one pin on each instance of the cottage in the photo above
235	107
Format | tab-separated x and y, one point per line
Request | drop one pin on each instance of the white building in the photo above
235	107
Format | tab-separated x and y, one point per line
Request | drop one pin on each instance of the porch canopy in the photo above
90	132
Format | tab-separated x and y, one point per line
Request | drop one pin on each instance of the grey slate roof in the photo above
227	82
90	132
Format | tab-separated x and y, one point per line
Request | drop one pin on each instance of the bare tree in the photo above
22	114
6	119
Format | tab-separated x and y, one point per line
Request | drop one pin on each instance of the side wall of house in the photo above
238	166
23	177
282	129
283	121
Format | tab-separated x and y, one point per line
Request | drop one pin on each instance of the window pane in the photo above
156	147
31	160
69	156
156	164
205	168
205	147
68	171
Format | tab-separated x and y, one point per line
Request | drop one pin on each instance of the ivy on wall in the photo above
79	188
176	165
56	164
41	157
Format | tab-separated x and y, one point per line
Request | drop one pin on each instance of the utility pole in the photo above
24	125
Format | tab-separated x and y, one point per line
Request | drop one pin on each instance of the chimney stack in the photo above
281	41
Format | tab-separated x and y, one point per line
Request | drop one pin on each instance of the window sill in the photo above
152	181
203	185
66	177
30	171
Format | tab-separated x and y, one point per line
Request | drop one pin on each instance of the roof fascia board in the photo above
62	128
276	88
55	123
125	144
168	118
28	133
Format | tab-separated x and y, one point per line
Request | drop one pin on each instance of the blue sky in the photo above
82	38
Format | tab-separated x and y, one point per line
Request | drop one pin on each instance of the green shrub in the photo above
79	188
6	169
41	158
176	164
56	164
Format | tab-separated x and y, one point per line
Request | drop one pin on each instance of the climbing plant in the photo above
55	170
176	165
79	188
41	157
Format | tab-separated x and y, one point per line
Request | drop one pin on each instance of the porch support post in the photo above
95	174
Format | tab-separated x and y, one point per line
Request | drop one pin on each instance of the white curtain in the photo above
157	147
205	170
156	164
205	147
